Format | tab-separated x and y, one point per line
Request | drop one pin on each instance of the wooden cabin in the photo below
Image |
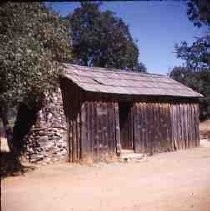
109	111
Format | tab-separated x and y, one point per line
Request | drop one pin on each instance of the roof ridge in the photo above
115	70
99	77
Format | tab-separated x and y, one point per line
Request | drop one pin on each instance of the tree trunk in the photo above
26	118
7	128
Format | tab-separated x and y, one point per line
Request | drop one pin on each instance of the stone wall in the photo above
47	141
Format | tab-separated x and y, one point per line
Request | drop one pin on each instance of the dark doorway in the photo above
126	128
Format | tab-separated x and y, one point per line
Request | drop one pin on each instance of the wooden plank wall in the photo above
162	127
100	130
152	127
185	125
100	125
94	130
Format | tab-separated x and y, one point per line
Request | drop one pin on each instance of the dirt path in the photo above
167	181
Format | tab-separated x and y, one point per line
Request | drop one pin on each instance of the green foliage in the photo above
33	42
101	39
199	81
196	71
197	56
140	68
198	12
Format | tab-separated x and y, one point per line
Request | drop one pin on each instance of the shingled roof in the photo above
108	80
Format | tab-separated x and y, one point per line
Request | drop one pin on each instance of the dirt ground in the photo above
167	181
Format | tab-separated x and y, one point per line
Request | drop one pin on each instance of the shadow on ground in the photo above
12	167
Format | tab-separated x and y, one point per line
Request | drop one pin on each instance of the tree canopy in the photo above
197	56
196	71
199	81
102	39
33	40
198	12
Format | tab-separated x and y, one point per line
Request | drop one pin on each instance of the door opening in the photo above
126	128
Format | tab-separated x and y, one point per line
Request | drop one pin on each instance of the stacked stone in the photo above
47	140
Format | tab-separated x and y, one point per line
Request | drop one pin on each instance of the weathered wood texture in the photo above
152	127
185	125
113	81
100	123
93	126
162	127
72	109
97	129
